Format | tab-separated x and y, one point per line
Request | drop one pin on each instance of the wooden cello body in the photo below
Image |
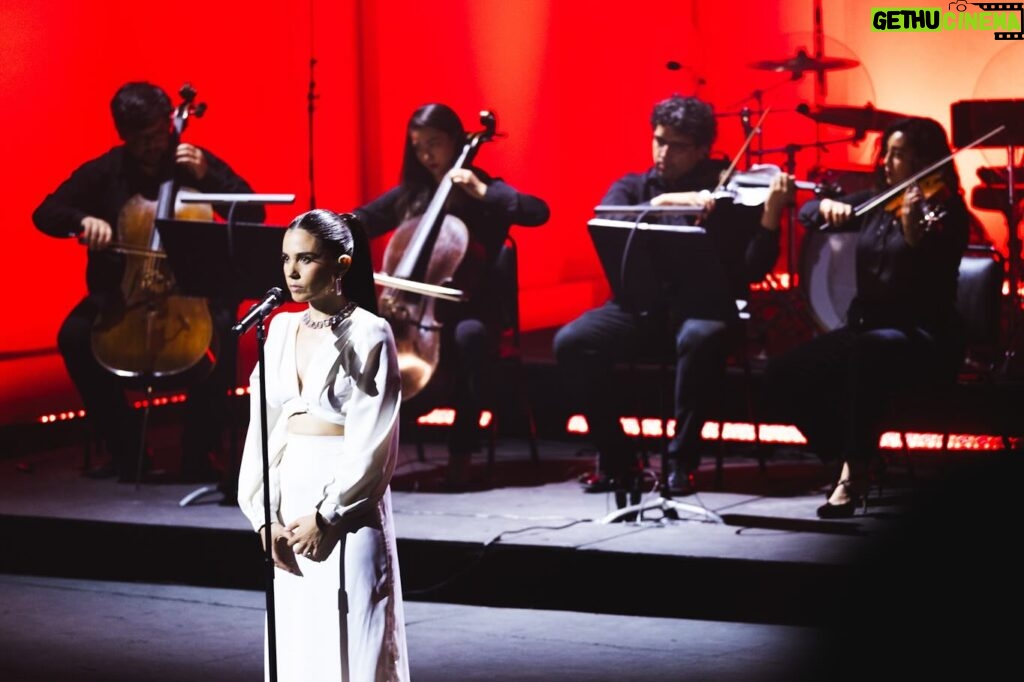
431	249
152	331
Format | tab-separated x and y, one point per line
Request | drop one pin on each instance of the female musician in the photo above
332	393
488	206
902	328
87	205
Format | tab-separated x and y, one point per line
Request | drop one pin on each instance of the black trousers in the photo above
837	387
471	352
587	348
104	394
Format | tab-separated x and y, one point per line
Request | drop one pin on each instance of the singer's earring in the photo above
337	285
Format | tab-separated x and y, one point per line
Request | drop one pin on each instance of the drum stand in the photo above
1014	216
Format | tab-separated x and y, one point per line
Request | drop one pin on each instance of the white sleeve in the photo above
250	475
362	471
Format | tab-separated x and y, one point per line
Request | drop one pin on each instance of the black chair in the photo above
739	368
954	407
507	368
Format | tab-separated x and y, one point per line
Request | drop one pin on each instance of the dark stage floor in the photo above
521	577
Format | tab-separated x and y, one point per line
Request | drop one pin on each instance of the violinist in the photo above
87	206
902	329
488	206
747	240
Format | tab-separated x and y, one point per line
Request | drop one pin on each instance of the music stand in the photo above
972	118
207	259
652	267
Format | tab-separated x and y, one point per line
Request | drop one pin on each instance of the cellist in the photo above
87	205
488	206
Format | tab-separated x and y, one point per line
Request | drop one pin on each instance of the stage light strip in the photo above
652	427
649	427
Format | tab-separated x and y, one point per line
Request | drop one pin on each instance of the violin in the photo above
152	331
425	255
932	186
751	187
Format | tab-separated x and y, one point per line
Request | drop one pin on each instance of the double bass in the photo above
152	331
423	258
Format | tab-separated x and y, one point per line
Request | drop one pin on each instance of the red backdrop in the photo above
571	83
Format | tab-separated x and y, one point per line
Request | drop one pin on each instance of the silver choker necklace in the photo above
332	321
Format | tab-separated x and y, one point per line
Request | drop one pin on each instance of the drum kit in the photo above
825	273
824	269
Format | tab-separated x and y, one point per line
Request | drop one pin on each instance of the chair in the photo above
507	366
739	360
979	300
505	278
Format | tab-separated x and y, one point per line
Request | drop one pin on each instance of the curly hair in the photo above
687	116
927	141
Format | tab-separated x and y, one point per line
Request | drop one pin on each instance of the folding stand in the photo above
237	261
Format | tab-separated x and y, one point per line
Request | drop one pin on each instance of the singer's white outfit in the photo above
343	618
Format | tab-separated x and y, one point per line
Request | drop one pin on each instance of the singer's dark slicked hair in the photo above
343	234
138	105
687	116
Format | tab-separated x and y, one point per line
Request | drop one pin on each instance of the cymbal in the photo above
803	62
858	118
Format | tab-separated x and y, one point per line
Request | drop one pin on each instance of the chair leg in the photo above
140	464
527	408
492	439
417	435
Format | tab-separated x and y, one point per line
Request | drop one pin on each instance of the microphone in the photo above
258	311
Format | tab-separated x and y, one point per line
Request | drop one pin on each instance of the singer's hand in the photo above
835	212
96	233
309	539
284	557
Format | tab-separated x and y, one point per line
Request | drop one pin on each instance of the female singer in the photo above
332	394
489	207
902	329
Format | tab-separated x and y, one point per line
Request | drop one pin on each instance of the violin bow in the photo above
893	191
736	159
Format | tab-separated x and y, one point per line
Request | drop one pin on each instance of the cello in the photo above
153	332
424	255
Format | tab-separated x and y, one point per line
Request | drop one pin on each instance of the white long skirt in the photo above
342	619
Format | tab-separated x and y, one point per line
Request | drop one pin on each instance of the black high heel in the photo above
845	510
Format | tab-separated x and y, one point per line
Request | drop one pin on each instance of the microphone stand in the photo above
268	555
311	97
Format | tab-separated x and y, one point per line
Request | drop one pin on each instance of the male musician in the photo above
747	240
87	206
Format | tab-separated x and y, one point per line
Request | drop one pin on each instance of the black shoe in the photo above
600	483
680	480
844	510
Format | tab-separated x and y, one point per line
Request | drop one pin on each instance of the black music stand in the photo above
652	268
972	119
228	261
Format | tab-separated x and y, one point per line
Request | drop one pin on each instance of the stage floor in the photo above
520	577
